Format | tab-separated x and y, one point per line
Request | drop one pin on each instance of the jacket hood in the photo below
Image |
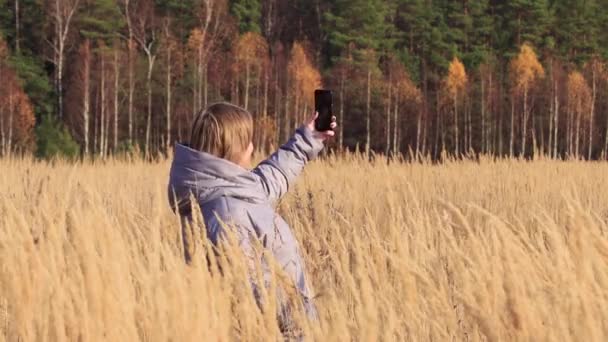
208	178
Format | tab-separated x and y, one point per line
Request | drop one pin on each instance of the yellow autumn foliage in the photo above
456	80
525	69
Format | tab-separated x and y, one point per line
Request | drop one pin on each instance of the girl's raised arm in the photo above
280	171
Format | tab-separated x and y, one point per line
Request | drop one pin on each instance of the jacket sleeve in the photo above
278	173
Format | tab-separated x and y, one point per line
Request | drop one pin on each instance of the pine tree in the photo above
52	139
521	21
577	29
360	22
427	52
248	14
24	24
6	19
36	82
481	34
361	27
100	20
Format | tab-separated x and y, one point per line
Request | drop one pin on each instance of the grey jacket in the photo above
246	199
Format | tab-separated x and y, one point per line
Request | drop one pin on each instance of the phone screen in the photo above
323	106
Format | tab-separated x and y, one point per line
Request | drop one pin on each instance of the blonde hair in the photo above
223	130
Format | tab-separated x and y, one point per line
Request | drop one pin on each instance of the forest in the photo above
420	78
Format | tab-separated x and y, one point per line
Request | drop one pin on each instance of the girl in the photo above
214	169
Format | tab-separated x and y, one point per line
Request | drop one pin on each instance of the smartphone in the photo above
323	106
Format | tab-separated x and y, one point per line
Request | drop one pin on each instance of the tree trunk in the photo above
606	140
131	86
396	124
555	118
341	137
578	131
130	45
17	28
569	131
266	83
63	17
368	114
296	112
534	139
469	125
256	110
304	114
483	116
418	132
195	108
102	106
592	114
95	126
287	117
86	97
489	131
168	108
237	87
512	137
149	93
465	139
443	134
205	85
199	90
465	124
457	150
11	111
2	139
500	125
388	119
424	129
107	137
247	80
277	106
116	86
2	133
436	143
567	137
524	129
60	79
549	150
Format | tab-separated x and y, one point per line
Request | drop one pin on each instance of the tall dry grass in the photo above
485	251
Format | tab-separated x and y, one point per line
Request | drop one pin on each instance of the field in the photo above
464	251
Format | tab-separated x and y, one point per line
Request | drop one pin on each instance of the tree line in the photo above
416	77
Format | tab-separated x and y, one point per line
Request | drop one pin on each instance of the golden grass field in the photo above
463	251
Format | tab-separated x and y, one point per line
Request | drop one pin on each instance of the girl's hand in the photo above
310	124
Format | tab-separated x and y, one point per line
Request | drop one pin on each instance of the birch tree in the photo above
145	31
579	109
61	13
251	50
525	71
455	84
